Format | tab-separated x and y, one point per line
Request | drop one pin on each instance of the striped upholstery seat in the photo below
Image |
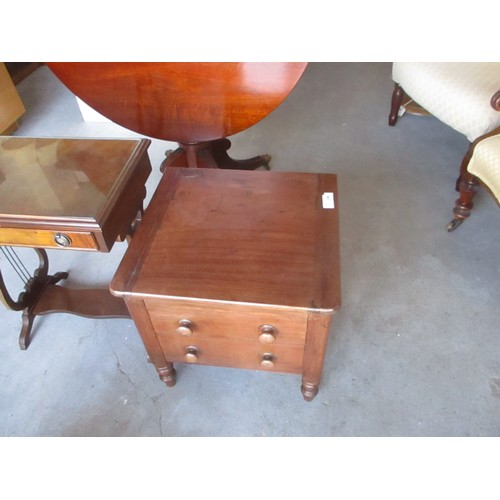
457	94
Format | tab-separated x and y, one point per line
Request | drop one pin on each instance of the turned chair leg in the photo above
467	185
397	99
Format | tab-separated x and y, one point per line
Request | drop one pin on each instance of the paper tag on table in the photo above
328	200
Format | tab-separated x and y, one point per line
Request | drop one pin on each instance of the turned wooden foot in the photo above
467	186
397	99
318	326
211	154
309	390
167	374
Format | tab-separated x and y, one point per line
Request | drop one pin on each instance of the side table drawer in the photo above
48	238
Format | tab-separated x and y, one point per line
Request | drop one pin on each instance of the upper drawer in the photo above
233	321
48	239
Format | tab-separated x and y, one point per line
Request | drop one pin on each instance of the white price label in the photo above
328	200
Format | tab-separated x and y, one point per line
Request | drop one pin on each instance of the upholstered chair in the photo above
466	97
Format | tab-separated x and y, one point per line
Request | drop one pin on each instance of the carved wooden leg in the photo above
223	160
210	154
135	225
173	158
34	293
318	326
467	185
38	289
397	99
140	315
24	337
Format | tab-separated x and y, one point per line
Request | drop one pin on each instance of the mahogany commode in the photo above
72	194
238	269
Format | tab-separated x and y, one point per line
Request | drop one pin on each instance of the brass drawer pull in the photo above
268	334
185	327
192	354
267	360
62	240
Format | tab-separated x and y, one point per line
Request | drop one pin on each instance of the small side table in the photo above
72	194
237	269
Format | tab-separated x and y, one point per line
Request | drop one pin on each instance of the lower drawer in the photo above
233	354
48	238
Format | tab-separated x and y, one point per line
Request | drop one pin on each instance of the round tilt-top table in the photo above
197	105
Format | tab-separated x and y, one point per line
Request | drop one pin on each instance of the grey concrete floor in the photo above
414	351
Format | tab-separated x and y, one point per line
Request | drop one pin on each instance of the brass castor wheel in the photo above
454	224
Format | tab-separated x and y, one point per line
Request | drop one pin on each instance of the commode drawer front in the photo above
232	335
74	240
232	353
194	319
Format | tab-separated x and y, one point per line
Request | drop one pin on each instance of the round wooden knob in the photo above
191	355
185	327
268	334
267	360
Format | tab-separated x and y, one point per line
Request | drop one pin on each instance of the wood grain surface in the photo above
182	102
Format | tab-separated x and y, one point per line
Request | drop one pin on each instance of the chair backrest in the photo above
485	163
464	96
182	102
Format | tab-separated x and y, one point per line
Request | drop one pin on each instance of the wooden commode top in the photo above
238	269
259	238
